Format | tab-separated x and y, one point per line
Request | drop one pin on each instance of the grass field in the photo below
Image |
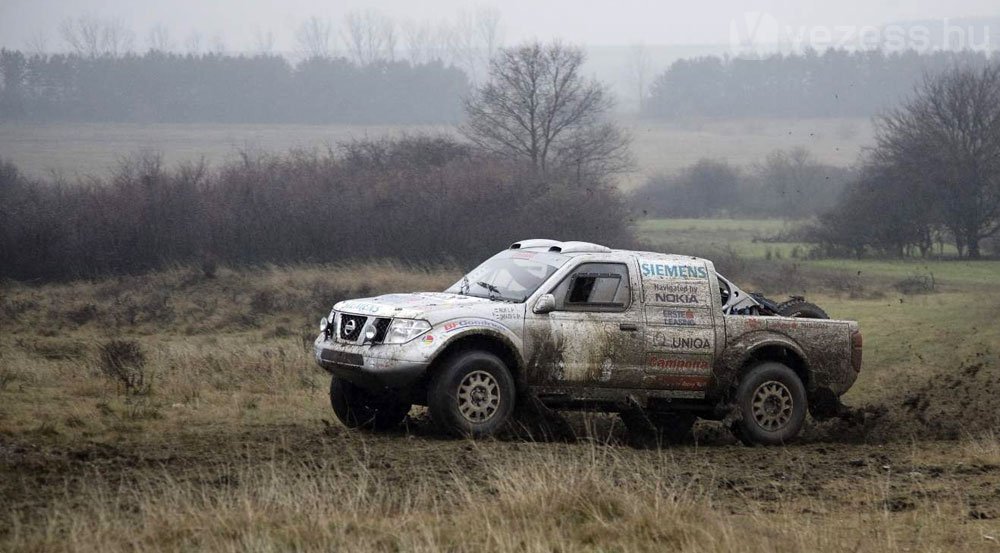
93	149
228	442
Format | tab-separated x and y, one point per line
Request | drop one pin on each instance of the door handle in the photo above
628	327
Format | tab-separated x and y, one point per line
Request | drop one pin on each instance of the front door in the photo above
594	337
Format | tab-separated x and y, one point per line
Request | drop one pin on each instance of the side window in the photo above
594	287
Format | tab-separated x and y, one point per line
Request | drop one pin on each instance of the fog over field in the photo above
244	304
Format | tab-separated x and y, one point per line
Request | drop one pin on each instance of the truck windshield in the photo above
511	275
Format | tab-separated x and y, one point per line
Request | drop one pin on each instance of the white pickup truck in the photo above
660	339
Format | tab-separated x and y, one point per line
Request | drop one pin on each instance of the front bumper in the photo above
372	367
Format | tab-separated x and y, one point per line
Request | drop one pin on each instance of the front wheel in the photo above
772	405
472	395
360	408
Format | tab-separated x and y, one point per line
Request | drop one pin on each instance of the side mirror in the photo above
545	304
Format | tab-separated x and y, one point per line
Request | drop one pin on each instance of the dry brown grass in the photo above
538	500
233	446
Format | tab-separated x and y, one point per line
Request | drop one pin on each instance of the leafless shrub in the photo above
83	314
305	206
124	362
7	376
916	284
14	308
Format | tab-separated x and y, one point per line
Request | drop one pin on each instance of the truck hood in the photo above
434	307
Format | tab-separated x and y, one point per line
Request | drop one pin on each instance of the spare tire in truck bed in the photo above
797	307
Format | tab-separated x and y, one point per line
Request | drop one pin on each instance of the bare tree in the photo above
418	40
90	36
82	34
315	37
193	42
158	38
474	39
117	39
537	106
263	42
488	30
37	44
218	43
947	141
638	72
370	36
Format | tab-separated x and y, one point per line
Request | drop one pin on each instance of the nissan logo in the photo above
350	326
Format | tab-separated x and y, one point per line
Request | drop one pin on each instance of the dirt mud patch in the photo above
950	404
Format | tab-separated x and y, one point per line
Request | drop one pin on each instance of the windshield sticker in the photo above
672	270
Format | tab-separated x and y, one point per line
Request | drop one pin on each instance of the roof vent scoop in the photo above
532	243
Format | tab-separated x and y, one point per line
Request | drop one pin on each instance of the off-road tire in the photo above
801	309
360	408
471	395
772	405
658	428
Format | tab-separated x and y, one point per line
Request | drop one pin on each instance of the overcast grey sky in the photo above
578	21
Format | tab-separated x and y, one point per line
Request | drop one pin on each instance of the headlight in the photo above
324	324
404	330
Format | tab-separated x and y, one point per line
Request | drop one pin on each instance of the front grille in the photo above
381	327
349	331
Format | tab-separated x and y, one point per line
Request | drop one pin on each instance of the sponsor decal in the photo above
661	339
676	288
453	326
690	343
361	308
676	298
679	364
506	313
671	270
523	255
427	340
675	382
678	317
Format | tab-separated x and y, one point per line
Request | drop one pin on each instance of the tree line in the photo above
164	87
419	198
932	176
834	83
789	184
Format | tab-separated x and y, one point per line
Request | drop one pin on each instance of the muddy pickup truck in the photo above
660	339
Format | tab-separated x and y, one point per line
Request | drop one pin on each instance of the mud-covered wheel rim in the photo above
772	405
478	396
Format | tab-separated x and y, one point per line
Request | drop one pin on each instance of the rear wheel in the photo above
472	395
360	408
801	309
772	404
